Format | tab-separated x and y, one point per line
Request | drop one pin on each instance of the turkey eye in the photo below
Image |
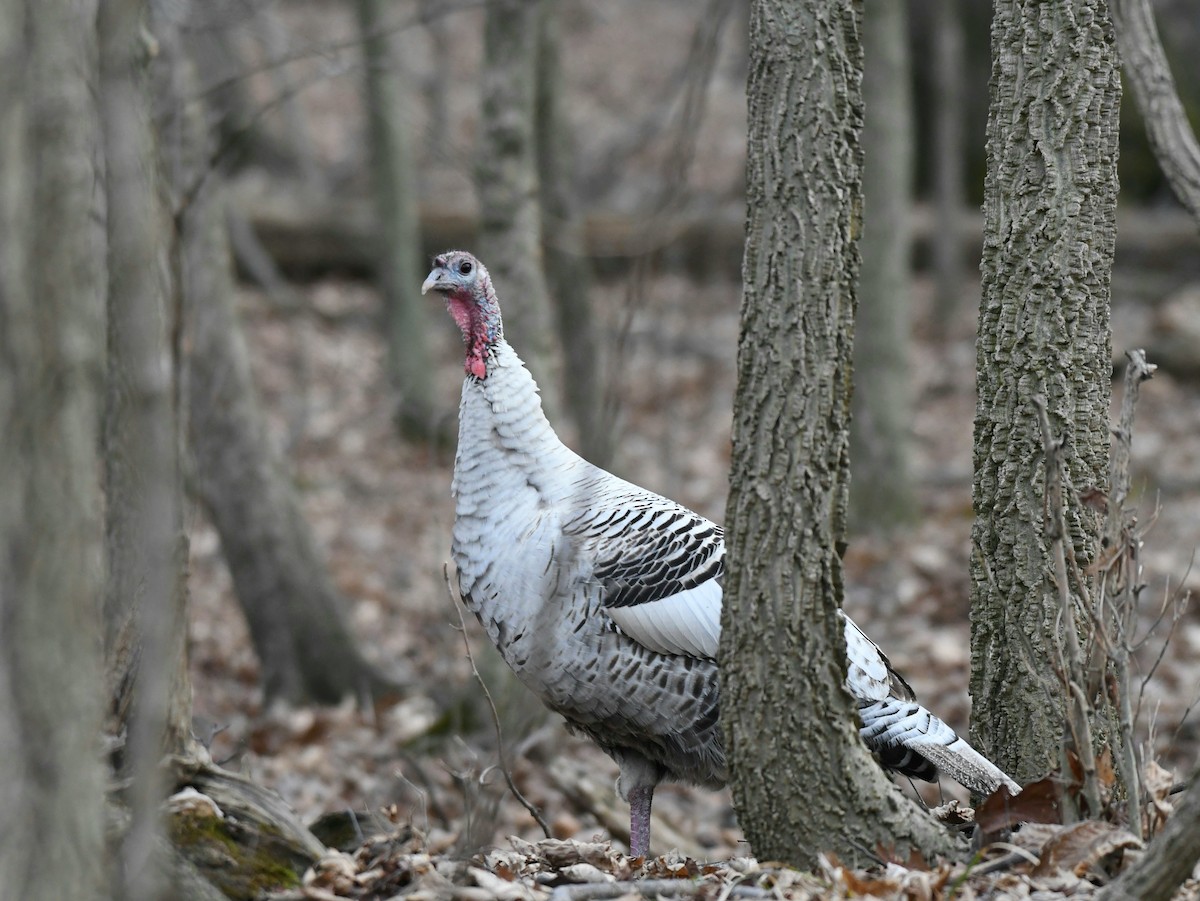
465	267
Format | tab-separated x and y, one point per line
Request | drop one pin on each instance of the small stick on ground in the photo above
500	746
648	888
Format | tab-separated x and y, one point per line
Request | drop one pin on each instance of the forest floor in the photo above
426	771
382	511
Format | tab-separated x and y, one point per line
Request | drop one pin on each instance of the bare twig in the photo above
1136	372
1078	724
274	38
1016	855
425	791
1173	603
691	82
326	49
187	194
1122	539
500	747
1108	596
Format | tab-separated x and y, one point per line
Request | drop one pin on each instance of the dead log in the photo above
238	835
310	236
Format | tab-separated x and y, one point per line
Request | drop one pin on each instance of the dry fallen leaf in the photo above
585	872
1157	782
1038	802
1082	849
334	872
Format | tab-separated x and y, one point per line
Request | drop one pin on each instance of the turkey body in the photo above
546	545
605	598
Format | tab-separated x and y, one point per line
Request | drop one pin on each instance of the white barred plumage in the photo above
605	598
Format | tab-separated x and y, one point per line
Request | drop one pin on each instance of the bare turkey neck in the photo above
474	327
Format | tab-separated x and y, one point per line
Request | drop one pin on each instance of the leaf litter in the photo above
420	773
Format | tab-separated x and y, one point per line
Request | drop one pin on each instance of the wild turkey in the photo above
605	598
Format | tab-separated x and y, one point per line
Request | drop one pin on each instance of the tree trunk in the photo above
146	592
950	152
52	782
398	250
297	135
1049	233
439	29
212	40
881	495
506	181
567	268
296	615
1167	127
802	780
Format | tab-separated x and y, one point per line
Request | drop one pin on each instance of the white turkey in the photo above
605	598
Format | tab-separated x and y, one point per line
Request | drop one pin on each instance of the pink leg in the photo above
639	820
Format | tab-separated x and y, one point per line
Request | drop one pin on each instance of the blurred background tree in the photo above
145	598
564	242
398	247
507	183
52	835
297	616
881	496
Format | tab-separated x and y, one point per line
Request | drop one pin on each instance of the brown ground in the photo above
382	511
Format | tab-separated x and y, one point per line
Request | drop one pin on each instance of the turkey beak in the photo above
433	281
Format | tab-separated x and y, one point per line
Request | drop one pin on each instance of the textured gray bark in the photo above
1049	232
393	176
146	592
506	180
294	611
52	782
881	495
568	271
802	780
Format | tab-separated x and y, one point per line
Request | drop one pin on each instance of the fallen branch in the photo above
310	235
650	888
240	836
